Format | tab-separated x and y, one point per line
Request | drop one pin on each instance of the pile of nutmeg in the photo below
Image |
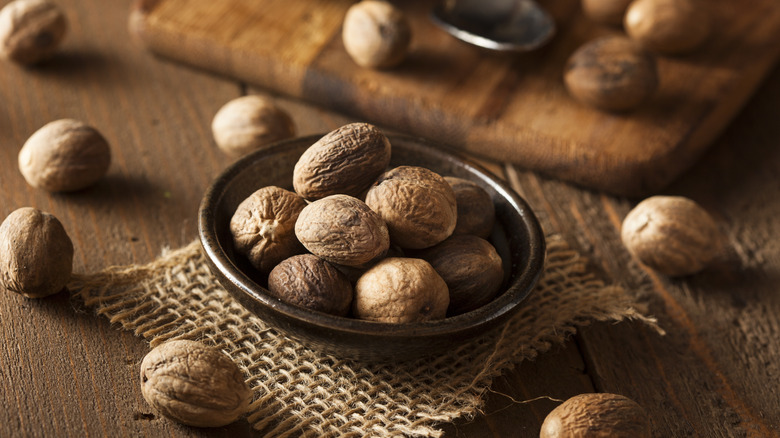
357	238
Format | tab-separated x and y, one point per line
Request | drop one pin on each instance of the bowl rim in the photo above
500	307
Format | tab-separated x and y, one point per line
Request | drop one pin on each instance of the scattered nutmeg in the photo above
248	123
399	290
31	30
64	155
376	34
472	269
417	204
263	227
194	384
36	254
609	12
597	415
345	161
668	26
611	74
343	230
476	213
672	235
309	281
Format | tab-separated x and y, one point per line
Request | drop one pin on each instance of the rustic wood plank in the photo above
66	371
717	361
518	401
506	107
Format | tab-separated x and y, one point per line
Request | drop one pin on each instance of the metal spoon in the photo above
504	25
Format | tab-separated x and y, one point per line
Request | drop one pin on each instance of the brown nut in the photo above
36	254
64	155
31	30
401	290
263	227
472	269
476	213
668	26
248	123
376	34
609	12
672	235
343	230
345	161
611	74
417	204
597	415
194	384
309	281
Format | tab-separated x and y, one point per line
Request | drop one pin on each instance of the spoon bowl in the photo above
502	25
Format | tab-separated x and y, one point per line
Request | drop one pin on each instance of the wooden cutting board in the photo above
509	107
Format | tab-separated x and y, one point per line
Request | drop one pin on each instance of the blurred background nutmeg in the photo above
668	26
31	30
612	74
248	123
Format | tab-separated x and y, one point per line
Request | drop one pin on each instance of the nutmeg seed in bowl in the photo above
517	237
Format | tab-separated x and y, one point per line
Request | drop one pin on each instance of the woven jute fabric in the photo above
300	392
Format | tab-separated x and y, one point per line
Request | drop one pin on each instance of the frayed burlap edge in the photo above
300	392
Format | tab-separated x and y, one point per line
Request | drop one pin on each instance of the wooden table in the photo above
67	372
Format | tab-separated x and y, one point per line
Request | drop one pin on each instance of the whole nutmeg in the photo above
309	281
417	204
343	230
668	26
671	234
263	227
376	34
194	384
476	212
31	30
64	155
36	254
248	123
472	269
597	415
612	74
399	290
345	161
609	12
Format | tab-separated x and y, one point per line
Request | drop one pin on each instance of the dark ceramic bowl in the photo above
517	237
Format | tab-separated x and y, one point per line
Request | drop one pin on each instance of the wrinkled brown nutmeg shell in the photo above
194	384
343	230
309	281
476	212
64	155
376	34
472	269
249	123
417	204
611	74
668	26
399	290
36	254
263	227
31	30
345	161
672	234
597	415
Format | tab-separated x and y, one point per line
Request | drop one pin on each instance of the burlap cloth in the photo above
300	392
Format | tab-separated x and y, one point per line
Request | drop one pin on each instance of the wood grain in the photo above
67	372
712	363
507	107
